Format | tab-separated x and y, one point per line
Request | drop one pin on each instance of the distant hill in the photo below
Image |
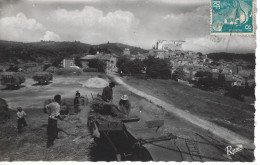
47	51
118	48
232	57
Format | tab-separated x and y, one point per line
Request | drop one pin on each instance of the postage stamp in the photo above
232	17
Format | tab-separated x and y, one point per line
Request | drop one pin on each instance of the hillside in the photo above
232	57
118	48
16	52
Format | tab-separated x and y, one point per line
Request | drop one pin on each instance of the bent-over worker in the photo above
124	105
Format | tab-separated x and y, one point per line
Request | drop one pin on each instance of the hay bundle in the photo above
95	82
42	77
12	78
4	111
103	108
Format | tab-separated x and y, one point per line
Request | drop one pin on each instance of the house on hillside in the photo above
139	56
169	45
215	70
110	59
245	73
158	53
85	60
232	80
126	52
226	70
68	62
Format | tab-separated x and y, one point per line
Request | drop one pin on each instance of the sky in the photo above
135	22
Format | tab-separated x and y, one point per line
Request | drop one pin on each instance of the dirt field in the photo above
76	143
73	144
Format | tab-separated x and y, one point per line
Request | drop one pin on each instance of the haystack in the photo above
95	82
4	111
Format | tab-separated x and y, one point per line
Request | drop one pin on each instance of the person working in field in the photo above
20	119
77	94
107	94
76	104
124	105
53	110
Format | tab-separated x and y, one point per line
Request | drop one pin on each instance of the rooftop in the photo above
88	57
99	56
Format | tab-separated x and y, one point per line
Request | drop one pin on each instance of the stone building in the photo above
169	45
126	52
110	59
68	62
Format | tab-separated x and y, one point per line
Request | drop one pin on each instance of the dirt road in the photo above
229	136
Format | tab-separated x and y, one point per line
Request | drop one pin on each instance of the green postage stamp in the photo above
232	17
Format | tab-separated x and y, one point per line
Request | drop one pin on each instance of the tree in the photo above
178	73
92	51
221	80
199	53
57	62
123	64
205	80
97	63
46	66
204	74
158	68
13	68
104	50
214	63
136	66
77	61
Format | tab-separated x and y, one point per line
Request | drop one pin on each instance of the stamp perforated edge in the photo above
235	34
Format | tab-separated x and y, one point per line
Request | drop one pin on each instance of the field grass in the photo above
212	106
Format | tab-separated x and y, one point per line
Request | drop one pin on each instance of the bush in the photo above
69	71
52	69
42	77
13	68
12	79
236	93
90	70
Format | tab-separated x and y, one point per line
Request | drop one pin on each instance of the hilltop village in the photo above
236	73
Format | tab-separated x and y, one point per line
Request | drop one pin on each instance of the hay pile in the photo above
42	77
4	111
95	82
105	110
